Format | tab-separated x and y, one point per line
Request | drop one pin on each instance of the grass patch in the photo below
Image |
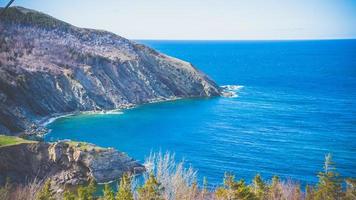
84	146
12	140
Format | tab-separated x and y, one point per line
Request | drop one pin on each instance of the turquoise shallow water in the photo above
298	103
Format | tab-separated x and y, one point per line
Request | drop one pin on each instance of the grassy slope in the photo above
12	140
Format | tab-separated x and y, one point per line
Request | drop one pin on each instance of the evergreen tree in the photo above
125	192
226	192
82	193
275	190
91	189
46	192
243	192
68	196
259	187
108	193
87	192
151	190
233	190
329	185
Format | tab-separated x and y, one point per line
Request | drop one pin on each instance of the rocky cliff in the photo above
49	67
66	163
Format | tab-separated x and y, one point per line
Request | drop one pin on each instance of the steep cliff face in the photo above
48	66
63	162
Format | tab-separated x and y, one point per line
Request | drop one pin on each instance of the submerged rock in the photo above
66	163
48	67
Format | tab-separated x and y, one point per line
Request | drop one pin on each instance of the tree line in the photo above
167	180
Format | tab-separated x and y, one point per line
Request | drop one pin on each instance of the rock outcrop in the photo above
49	67
63	162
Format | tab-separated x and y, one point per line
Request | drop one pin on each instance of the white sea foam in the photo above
231	91
102	112
52	119
113	112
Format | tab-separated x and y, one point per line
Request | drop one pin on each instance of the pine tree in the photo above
125	192
151	190
243	192
87	192
233	190
329	185
82	193
275	190
259	187
68	196
108	193
226	192
91	189
46	192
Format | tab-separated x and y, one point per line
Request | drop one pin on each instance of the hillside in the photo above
49	67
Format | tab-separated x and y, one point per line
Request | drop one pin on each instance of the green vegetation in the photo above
67	195
12	140
46	193
234	189
125	191
173	184
84	146
152	189
108	193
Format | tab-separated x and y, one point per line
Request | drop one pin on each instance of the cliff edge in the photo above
49	67
66	163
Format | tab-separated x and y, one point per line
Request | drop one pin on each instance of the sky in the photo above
207	19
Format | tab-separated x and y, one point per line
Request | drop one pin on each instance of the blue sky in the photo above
207	19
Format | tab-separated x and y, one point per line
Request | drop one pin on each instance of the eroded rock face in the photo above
63	163
48	66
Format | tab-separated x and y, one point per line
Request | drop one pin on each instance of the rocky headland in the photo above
65	163
49	67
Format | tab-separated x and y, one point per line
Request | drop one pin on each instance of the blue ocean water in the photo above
297	103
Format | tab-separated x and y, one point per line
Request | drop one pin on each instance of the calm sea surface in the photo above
297	103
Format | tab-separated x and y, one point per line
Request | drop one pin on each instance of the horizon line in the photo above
292	39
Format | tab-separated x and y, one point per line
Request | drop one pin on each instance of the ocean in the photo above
295	102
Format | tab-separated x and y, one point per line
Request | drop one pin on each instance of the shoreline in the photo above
45	121
42	123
